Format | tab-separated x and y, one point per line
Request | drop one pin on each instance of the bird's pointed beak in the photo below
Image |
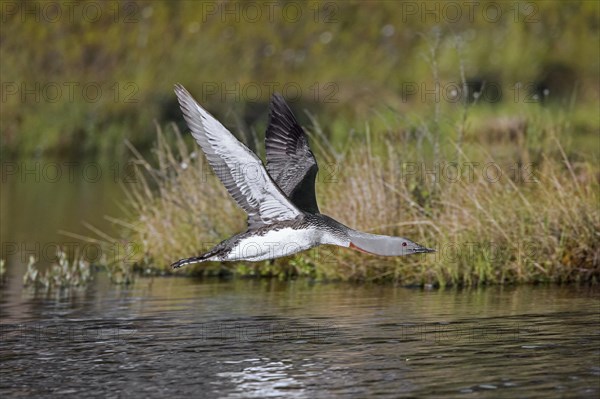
424	250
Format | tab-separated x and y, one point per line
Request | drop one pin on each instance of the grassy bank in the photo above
509	204
476	136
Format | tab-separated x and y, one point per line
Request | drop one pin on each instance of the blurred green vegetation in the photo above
354	63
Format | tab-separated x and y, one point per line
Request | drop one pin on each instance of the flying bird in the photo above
283	216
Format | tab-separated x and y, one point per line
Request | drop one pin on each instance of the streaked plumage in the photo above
240	170
283	216
290	162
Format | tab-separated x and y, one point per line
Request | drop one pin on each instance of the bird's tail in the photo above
188	261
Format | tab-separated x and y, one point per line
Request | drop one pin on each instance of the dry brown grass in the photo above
520	228
486	231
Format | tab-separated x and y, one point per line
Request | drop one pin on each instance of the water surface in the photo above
248	338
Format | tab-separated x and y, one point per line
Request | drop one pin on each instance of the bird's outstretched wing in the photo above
290	162
238	168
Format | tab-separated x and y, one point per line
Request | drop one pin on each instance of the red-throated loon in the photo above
283	216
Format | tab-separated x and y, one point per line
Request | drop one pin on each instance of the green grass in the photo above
62	274
539	223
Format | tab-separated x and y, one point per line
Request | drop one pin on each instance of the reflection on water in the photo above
264	378
39	199
246	338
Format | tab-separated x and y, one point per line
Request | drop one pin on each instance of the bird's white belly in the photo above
274	244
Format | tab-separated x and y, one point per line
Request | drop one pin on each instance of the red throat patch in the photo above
359	249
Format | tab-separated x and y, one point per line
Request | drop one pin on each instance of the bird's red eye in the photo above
403	244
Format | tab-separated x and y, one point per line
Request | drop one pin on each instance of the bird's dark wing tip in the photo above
278	101
277	96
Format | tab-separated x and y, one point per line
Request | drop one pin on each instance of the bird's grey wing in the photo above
290	162
238	168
